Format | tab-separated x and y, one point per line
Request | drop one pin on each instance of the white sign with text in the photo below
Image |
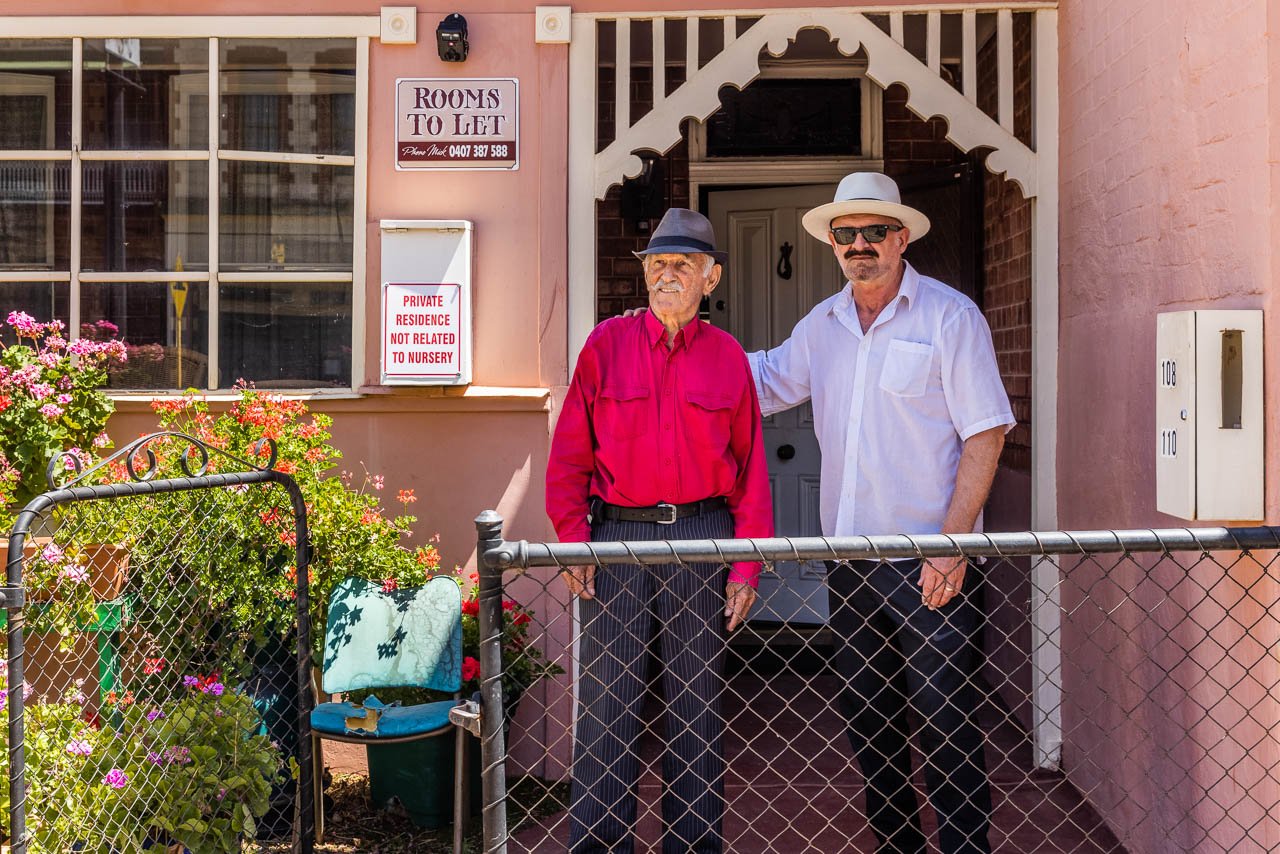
447	123
426	302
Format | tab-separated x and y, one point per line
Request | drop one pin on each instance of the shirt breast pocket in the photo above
709	418
622	412
906	368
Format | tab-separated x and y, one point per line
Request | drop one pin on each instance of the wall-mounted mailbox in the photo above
1209	430
426	302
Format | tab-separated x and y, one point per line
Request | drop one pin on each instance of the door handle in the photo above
786	452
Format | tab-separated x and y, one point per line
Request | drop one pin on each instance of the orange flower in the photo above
406	496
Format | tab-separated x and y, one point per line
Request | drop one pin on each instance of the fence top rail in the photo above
522	554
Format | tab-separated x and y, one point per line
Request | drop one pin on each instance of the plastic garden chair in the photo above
410	637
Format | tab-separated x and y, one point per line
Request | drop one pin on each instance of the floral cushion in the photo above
410	637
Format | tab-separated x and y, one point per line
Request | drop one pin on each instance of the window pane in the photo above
145	215
35	94
283	216
291	95
785	118
146	94
165	327
285	335
45	301
34	218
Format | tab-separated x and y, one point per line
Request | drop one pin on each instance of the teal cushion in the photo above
403	638
375	720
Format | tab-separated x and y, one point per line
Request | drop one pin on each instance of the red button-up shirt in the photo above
645	424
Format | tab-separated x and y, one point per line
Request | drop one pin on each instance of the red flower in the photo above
289	538
471	607
5	400
508	605
153	666
370	517
269	517
520	619
389	584
406	496
287	467
470	669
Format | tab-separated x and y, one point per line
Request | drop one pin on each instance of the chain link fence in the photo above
1100	691
157	687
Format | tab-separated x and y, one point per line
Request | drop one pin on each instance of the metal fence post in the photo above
13	602
493	750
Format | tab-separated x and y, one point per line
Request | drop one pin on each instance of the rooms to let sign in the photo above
422	330
457	124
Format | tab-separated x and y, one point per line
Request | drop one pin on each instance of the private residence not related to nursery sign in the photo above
422	332
457	124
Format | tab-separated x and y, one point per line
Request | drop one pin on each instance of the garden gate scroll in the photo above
1168	698
178	666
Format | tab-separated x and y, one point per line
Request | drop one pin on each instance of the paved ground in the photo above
793	786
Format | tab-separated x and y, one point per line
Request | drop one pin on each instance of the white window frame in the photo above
213	28
732	171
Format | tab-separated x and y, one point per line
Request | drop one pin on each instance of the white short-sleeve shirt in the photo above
891	407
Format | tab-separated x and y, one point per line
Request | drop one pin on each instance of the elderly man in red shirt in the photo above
659	439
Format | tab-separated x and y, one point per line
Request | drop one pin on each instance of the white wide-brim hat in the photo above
866	193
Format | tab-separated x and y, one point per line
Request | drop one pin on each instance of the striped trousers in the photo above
677	611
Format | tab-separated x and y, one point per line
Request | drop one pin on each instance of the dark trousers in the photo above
892	652
686	602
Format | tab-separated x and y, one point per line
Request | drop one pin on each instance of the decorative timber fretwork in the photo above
738	63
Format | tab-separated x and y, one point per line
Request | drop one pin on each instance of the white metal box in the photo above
1209	429
426	325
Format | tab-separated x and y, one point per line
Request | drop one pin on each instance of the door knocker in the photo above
784	261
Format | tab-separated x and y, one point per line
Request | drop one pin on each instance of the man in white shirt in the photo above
910	414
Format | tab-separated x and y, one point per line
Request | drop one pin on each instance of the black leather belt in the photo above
663	514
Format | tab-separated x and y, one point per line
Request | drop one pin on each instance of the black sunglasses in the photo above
847	234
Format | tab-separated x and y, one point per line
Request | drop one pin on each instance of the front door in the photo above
776	273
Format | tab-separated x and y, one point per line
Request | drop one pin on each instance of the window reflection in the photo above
132	90
165	327
283	216
294	335
45	301
35	94
141	215
34	214
295	96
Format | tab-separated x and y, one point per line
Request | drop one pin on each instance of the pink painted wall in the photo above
1167	203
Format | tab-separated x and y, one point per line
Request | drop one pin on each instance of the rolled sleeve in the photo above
975	393
781	375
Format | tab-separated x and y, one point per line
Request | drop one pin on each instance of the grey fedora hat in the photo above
683	231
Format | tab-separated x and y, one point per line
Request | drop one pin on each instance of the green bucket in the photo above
419	774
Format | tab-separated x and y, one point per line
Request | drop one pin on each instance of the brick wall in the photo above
620	282
1007	250
910	142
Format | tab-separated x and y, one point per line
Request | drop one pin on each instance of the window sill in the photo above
376	399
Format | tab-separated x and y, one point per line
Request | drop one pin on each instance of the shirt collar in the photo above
656	333
907	290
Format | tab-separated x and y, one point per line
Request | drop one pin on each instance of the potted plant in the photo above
249	583
419	774
52	404
51	400
183	770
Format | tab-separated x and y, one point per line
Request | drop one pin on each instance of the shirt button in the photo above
667	461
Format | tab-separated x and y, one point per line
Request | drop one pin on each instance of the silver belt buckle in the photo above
670	511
